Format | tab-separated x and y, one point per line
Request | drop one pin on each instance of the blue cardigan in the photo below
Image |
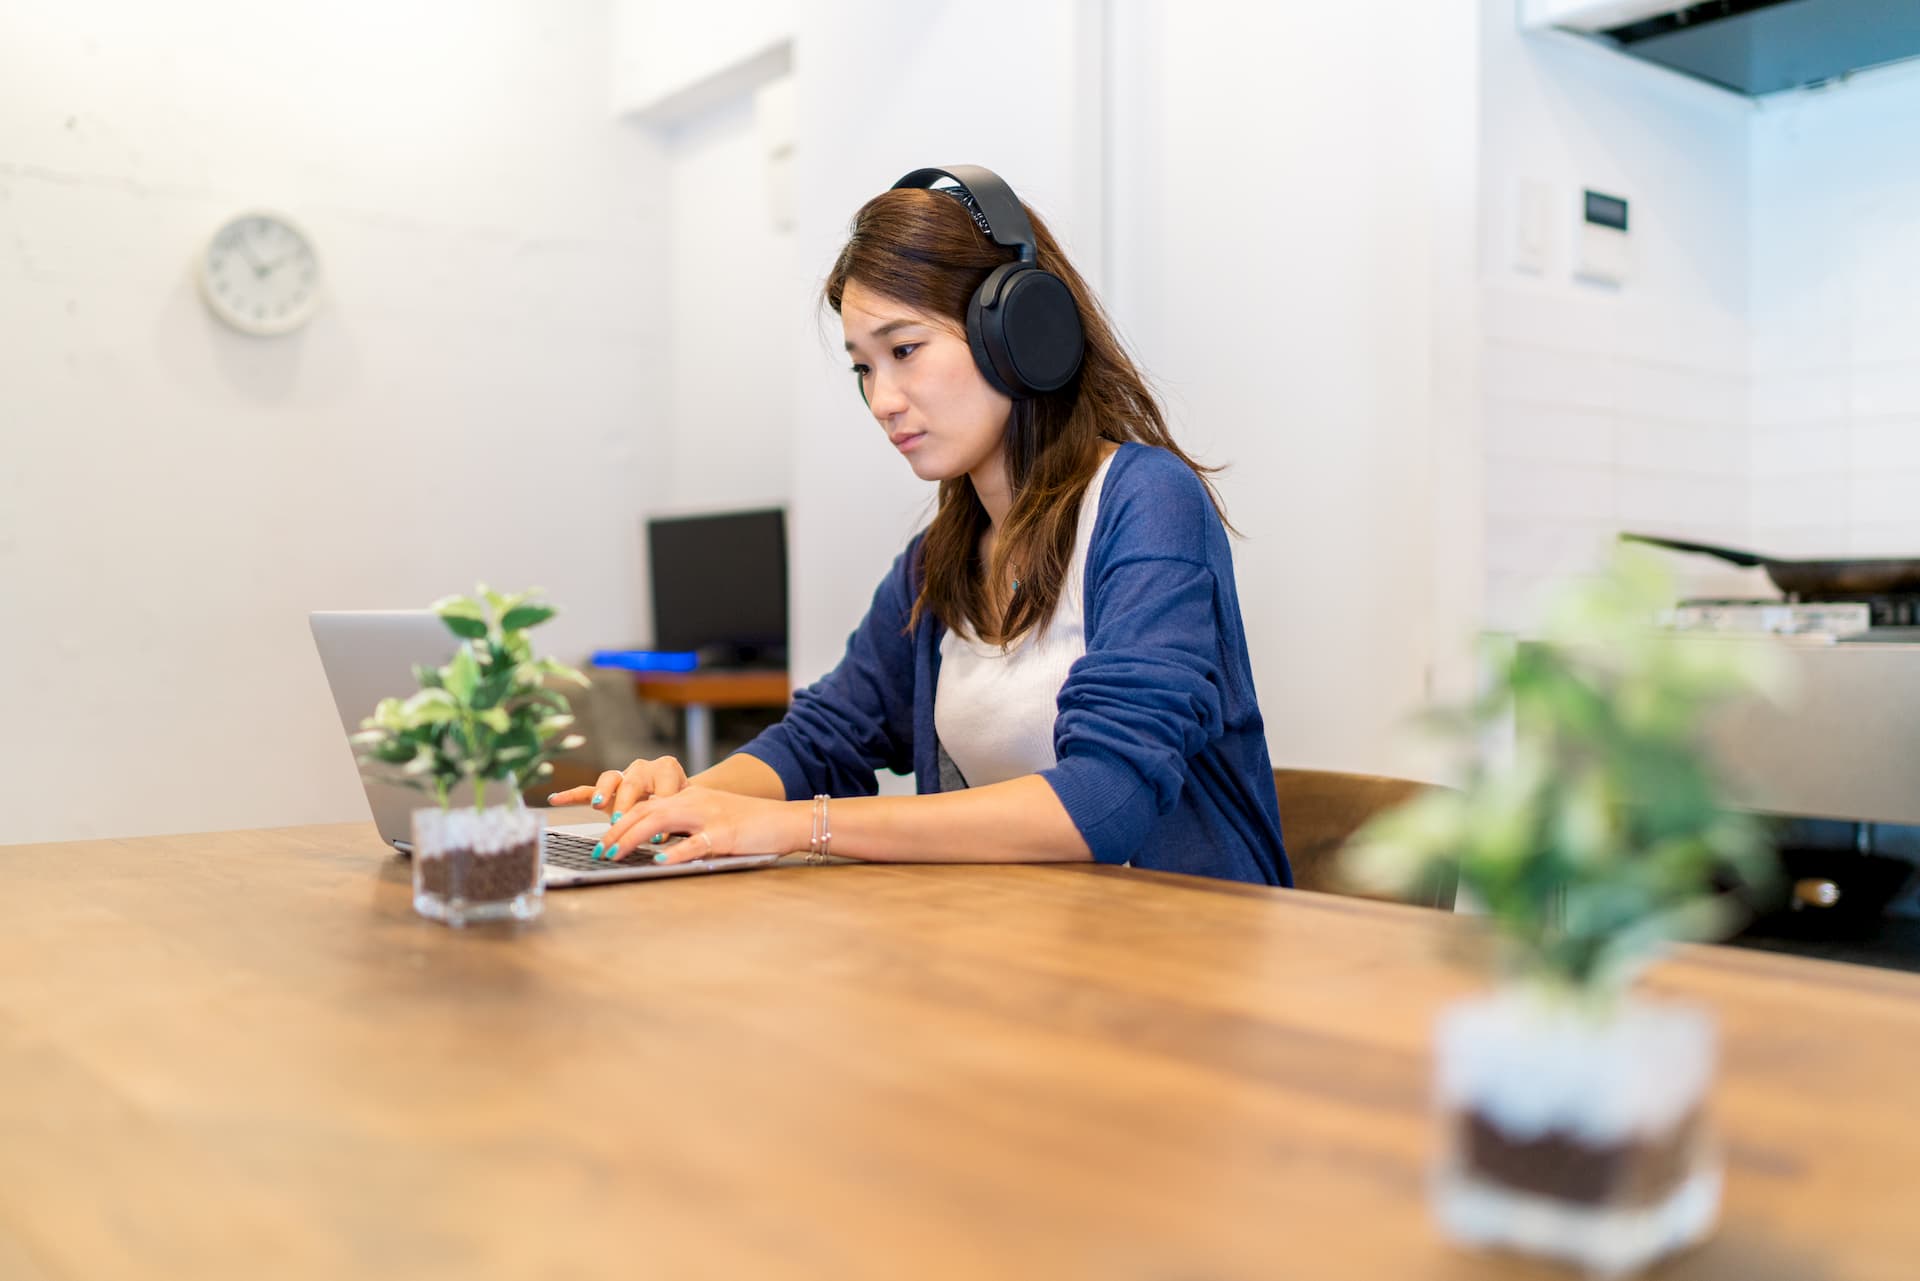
1162	755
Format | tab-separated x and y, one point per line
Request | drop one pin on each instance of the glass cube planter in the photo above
1572	1137
473	865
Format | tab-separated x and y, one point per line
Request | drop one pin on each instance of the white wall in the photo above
473	400
1292	228
1611	409
1836	319
669	57
880	89
734	308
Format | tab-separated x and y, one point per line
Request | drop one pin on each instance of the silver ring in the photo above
709	841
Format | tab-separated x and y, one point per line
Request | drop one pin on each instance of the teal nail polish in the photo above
597	847
615	818
598	798
613	851
660	857
657	837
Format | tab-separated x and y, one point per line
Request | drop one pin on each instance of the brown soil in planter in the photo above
1557	1165
482	878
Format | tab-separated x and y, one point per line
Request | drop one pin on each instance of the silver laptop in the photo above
369	655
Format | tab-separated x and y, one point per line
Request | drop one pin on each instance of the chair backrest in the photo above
1320	810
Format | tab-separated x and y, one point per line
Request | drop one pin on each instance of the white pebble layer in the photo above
489	831
1530	1067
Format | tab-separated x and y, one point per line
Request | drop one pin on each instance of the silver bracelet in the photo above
816	844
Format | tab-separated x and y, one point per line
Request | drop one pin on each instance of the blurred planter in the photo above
472	865
1575	1137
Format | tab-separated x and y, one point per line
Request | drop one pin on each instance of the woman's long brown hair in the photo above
923	249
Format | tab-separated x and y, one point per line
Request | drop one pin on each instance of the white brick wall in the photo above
1584	441
1756	381
1610	409
1836	320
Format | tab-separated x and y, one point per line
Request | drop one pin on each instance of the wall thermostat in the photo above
1603	254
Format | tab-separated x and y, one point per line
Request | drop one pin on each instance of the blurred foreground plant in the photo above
1605	835
486	716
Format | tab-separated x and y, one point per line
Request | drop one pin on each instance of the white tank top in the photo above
993	709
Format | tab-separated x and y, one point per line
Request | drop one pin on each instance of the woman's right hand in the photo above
617	791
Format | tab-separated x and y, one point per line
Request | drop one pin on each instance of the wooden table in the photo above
243	1055
699	692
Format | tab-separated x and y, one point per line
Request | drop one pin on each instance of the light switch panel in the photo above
1532	226
1603	255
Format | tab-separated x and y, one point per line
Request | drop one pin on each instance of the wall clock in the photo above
260	275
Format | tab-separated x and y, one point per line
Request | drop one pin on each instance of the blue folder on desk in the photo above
647	660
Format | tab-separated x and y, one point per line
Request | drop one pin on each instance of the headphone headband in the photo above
1022	322
988	198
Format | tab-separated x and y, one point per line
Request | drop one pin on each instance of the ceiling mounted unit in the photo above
1752	47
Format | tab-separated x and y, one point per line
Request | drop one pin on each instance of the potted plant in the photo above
485	721
1572	1111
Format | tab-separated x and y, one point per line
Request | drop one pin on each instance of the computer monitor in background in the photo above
720	586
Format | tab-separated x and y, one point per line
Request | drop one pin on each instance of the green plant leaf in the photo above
465	628
463	674
521	617
490	691
393	752
551	725
556	668
430	707
502	604
463	617
386	715
1601	833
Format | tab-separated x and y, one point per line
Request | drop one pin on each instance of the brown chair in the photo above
1320	810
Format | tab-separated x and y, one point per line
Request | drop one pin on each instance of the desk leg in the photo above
699	737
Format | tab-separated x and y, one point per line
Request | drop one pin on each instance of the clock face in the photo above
260	275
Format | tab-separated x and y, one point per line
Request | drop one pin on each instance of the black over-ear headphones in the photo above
1021	322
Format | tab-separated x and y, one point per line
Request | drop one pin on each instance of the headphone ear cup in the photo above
985	338
1025	331
1045	341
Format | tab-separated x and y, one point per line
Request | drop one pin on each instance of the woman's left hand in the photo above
717	824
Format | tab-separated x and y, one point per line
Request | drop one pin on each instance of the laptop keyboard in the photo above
564	849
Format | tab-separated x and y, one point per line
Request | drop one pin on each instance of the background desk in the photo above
243	1055
698	693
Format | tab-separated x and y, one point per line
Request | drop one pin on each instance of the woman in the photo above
1059	656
